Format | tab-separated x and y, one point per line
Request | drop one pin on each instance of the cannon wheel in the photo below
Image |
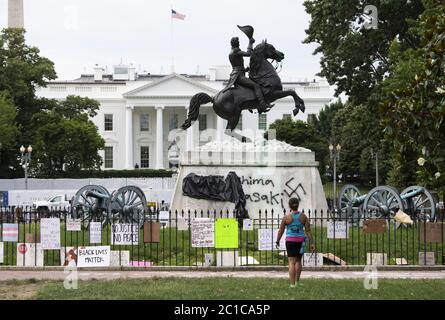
347	206
128	205
382	202
422	206
85	207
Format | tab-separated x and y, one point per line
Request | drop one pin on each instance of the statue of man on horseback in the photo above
256	92
238	75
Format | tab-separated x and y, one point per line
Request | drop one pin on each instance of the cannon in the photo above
385	201
95	203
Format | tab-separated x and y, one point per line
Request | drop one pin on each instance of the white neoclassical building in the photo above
140	114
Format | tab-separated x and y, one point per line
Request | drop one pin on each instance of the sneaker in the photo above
291	286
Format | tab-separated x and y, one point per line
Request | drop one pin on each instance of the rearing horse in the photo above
229	104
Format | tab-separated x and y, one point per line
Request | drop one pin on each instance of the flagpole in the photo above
171	40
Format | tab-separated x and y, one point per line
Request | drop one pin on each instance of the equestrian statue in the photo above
262	87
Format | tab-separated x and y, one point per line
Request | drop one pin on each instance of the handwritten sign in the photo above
203	233
123	260
10	232
1	252
93	256
73	225
267	238
95	232
247	224
124	234
226	233
29	255
337	230
50	233
312	259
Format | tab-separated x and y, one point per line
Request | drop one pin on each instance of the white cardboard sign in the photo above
1	252
95	232
337	230
247	224
73	225
267	238
124	258
203	233
50	233
312	259
124	234
98	256
29	255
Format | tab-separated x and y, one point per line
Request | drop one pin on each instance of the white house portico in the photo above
140	115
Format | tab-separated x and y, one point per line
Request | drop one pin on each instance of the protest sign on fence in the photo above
1	252
123	260
203	233
247	224
226	233
152	232
98	256
50	233
68	256
10	232
73	225
124	234
267	238
95	232
337	230
29	255
312	259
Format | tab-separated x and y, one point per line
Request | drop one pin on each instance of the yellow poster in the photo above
226	233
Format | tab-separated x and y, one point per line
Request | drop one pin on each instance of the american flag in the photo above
177	15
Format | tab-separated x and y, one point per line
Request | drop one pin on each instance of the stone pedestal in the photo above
271	172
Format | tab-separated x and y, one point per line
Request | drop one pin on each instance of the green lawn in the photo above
175	248
226	289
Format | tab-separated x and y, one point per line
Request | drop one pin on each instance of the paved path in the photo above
110	275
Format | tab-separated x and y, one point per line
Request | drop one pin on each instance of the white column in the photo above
129	137
159	137
189	139
219	128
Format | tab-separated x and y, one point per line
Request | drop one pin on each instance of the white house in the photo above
140	112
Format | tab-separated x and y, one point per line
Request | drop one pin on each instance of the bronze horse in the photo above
229	104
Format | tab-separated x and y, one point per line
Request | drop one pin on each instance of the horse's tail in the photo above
196	102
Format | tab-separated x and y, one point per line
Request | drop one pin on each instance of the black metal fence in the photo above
171	245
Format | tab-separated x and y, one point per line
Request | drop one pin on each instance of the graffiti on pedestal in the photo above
264	190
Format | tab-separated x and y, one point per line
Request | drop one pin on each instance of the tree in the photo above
8	127
302	134
65	139
323	122
354	58
22	69
414	108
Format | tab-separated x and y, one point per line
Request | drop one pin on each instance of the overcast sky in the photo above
77	34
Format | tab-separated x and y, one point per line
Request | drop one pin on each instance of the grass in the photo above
229	289
175	246
329	189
